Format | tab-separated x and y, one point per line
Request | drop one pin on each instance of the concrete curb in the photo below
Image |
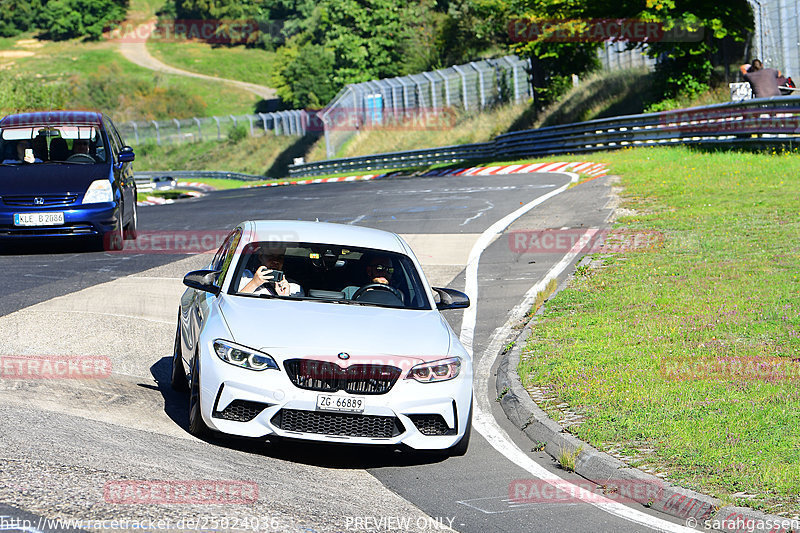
698	510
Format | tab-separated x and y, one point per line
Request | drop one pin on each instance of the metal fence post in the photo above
433	89
263	121
405	96
135	132
234	120
199	128
219	131
158	134
464	96
480	83
250	118
178	125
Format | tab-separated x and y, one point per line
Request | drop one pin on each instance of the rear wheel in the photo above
197	426
178	379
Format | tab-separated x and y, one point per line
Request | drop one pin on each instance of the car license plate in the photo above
332	402
38	219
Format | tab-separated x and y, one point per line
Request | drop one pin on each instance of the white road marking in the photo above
358	219
479	213
483	421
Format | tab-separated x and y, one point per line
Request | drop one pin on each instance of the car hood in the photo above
307	328
44	178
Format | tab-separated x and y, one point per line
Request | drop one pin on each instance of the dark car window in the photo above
224	256
78	144
334	274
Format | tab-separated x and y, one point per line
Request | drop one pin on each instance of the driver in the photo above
378	270
260	282
81	146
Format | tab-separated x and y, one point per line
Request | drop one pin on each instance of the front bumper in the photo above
245	403
79	221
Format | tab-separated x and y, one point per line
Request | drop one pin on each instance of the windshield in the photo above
332	273
52	144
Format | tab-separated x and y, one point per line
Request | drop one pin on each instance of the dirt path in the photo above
135	51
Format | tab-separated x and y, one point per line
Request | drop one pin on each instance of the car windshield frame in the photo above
332	273
39	144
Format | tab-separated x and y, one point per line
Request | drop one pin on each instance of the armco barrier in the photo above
764	121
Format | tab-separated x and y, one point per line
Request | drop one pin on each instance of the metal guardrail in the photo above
147	180
770	121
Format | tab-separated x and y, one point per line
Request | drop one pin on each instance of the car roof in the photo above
52	117
325	232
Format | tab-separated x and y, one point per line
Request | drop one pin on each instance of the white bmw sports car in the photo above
322	332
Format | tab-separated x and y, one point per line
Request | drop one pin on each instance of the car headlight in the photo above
244	357
99	192
440	370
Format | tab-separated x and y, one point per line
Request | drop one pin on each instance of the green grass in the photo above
236	63
724	283
251	155
449	130
100	78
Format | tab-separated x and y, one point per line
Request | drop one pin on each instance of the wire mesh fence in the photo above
429	99
215	128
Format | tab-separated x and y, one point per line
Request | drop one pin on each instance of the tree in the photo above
67	19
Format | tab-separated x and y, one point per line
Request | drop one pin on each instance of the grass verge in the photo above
251	155
684	357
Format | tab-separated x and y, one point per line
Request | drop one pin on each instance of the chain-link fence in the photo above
423	100
615	55
214	128
776	40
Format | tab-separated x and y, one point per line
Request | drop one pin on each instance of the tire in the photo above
132	229
460	448
112	241
178	380
197	426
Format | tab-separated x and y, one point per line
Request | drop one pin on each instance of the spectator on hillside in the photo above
764	81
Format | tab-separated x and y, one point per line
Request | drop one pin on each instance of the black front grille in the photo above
42	200
431	425
32	231
324	376
241	411
338	424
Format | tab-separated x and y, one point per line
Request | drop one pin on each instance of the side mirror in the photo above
126	155
451	299
202	280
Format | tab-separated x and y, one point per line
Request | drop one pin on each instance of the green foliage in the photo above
60	19
67	19
17	16
25	93
306	76
237	133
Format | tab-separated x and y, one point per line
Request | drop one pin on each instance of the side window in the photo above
112	141
227	259
224	256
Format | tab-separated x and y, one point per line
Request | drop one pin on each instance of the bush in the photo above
27	93
237	133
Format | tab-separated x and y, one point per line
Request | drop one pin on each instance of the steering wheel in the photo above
81	158
378	286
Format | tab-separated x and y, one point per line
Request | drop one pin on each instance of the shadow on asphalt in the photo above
176	407
49	246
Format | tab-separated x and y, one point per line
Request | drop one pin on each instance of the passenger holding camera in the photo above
269	278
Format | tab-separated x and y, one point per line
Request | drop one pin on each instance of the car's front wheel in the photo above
132	229
197	426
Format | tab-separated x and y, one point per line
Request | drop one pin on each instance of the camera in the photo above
275	276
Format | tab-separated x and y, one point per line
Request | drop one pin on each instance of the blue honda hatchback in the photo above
66	174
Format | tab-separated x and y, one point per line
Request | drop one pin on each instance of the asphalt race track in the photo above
66	443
